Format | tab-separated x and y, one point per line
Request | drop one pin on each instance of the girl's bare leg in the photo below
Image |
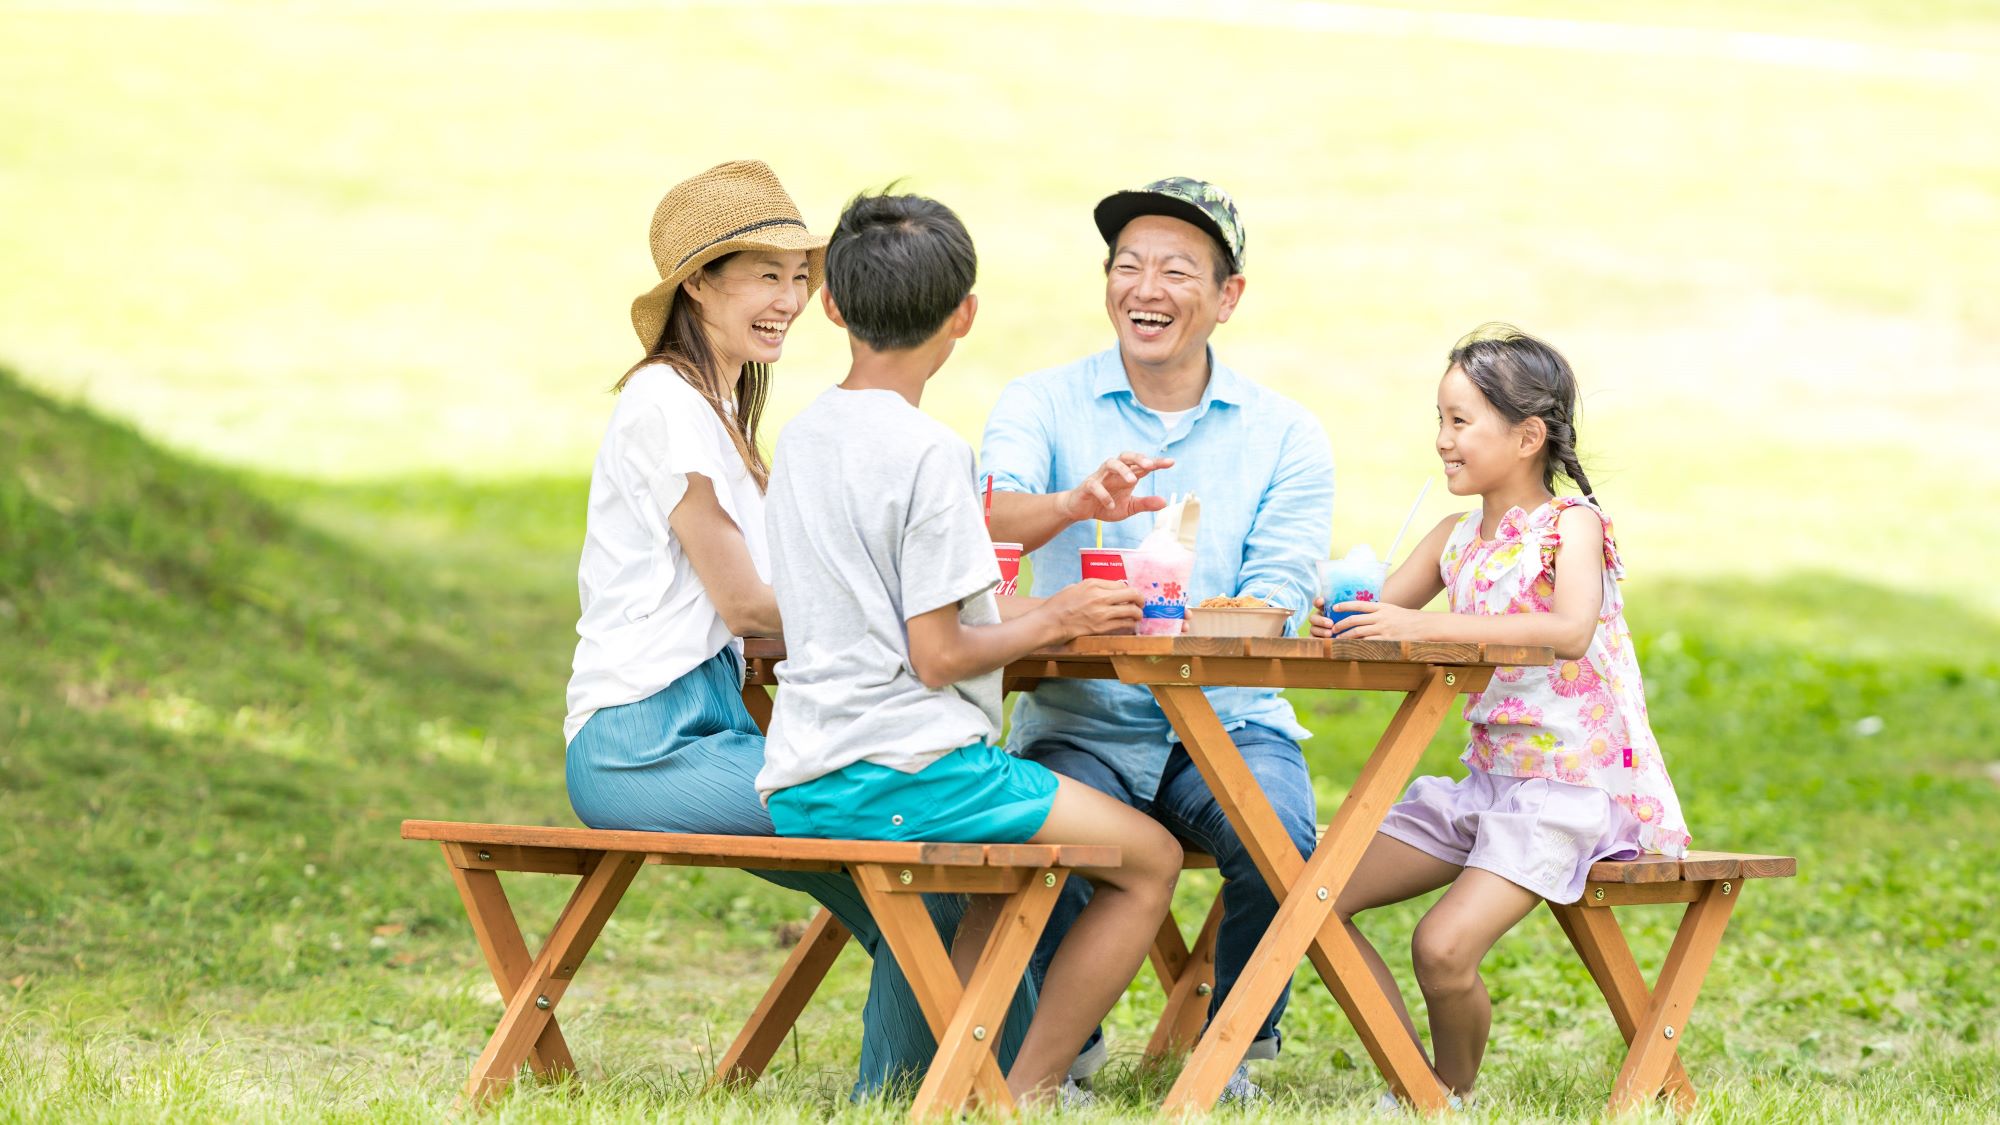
1390	871
1108	942
1449	944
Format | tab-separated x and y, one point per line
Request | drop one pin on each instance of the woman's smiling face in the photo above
748	305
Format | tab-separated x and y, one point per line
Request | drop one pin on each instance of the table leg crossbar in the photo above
1306	890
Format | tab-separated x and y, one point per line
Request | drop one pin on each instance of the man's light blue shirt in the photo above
1264	472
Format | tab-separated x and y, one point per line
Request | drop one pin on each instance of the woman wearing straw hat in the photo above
674	568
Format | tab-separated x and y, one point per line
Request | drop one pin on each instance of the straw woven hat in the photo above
735	206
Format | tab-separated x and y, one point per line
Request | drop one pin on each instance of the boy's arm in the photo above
944	650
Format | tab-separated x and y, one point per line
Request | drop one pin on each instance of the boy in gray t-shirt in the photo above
888	704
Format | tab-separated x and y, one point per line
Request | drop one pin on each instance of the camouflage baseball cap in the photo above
1178	197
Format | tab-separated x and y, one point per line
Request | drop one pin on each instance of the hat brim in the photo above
1115	211
650	309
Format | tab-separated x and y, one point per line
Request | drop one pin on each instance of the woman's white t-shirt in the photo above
646	618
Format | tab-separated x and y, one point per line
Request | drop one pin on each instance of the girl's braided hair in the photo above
1525	378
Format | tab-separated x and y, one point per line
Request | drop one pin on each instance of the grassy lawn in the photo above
304	345
225	690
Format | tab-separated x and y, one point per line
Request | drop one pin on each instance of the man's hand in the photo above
1095	607
1107	493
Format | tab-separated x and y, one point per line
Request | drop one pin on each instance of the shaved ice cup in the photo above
1356	578
1161	577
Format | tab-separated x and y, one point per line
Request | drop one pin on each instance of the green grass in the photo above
226	689
312	308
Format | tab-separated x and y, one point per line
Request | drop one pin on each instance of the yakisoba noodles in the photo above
1244	601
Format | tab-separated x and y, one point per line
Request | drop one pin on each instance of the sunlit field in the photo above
364	245
308	316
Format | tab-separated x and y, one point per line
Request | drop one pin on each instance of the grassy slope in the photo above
217	711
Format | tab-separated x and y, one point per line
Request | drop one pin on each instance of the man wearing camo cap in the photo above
1106	438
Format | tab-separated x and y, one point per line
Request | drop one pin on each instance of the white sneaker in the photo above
1074	1096
1240	1090
1089	1062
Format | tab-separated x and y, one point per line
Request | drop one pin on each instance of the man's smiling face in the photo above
1163	292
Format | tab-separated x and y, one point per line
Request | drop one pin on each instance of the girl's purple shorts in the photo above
1540	834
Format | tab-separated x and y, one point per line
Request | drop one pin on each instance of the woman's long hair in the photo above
683	345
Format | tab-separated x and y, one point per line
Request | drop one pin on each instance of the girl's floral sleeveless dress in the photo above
1578	721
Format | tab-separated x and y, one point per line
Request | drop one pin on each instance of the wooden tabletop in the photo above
1095	649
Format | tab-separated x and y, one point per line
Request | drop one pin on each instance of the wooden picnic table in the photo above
1430	676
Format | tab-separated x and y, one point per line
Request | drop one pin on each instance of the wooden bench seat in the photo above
890	876
1651	1020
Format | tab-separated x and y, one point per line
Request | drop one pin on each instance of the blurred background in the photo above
309	312
359	242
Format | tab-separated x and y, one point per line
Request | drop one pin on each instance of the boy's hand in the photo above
1107	493
1095	607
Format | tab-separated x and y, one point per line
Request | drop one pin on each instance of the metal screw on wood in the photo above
1670	1031
1202	990
1186	671
542	1002
1451	679
484	854
979	1033
1598	894
1725	888
906	878
1321	893
1049	880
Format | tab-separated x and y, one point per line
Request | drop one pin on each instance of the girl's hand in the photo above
1379	621
1322	627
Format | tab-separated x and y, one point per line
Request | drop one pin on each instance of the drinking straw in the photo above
989	499
1406	521
1100	535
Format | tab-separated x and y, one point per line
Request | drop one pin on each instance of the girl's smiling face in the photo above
1480	450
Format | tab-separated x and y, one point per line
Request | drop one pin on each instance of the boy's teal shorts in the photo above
976	794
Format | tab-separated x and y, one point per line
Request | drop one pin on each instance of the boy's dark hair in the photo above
898	266
1525	378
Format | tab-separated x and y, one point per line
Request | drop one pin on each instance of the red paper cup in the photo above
1103	562
1008	555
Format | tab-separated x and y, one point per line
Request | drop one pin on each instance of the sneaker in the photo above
1262	1050
1073	1096
1240	1090
1089	1062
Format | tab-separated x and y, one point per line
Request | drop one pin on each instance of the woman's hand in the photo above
1376	621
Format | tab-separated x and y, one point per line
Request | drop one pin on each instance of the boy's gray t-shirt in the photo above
873	518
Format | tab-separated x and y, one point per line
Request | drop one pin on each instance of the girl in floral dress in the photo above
1564	770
